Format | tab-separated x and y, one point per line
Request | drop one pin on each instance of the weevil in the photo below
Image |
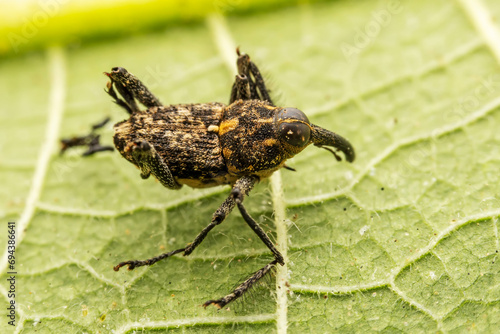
210	144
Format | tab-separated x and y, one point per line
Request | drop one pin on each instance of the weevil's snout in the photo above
321	137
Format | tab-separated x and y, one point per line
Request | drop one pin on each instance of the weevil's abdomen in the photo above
249	140
182	136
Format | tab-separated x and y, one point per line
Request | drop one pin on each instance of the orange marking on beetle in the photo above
270	142
227	126
227	152
266	120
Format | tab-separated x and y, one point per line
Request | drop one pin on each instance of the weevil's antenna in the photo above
332	151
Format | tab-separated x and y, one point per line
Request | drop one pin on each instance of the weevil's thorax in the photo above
249	139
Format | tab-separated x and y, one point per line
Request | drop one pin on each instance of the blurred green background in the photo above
33	24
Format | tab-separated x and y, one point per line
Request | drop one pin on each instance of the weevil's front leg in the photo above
249	83
243	186
278	258
150	162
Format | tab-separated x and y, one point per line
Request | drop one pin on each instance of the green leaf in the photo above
405	239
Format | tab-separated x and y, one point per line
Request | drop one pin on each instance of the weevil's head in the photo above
296	132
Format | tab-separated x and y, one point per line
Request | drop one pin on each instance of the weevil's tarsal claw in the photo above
321	137
217	303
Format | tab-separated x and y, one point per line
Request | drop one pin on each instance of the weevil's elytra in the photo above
180	136
209	144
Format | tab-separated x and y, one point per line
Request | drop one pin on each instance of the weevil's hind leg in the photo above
249	83
130	88
244	185
150	162
278	258
129	104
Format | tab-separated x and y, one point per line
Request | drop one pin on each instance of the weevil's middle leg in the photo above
243	186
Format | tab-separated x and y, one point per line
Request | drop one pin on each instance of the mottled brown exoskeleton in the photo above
210	144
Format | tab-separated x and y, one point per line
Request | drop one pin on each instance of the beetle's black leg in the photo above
91	140
150	162
259	82
244	185
130	87
255	227
241	88
101	124
129	108
278	258
249	80
243	287
95	146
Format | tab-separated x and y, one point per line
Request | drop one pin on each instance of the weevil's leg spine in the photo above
243	287
259	82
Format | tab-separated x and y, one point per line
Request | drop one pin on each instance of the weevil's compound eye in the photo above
287	114
293	127
295	134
